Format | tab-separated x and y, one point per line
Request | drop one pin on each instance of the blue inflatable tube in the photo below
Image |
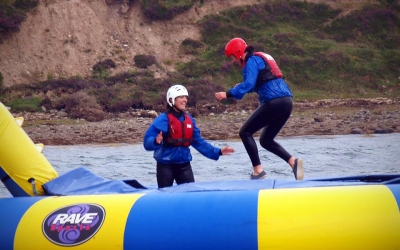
361	216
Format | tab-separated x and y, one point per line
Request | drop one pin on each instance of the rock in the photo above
362	92
319	119
89	114
356	131
124	8
49	94
148	114
383	131
62	114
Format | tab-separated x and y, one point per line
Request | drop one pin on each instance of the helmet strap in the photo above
242	62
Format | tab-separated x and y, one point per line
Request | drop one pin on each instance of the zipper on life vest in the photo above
183	127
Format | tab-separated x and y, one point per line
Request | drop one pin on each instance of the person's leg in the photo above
183	173
165	175
281	110
267	138
252	125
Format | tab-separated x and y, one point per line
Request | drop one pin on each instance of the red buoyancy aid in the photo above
179	133
271	63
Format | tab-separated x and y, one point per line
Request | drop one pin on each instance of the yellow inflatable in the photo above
21	161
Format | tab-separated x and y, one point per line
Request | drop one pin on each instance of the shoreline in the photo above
324	117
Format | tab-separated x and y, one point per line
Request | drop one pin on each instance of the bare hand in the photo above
220	96
159	138
227	150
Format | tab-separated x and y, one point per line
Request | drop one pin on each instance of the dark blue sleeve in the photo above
250	74
159	124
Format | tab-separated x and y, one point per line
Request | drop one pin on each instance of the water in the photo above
324	156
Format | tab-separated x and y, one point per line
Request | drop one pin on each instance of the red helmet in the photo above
236	47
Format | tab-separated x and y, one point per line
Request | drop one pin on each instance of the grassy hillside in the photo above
321	52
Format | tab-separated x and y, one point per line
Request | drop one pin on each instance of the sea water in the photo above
323	156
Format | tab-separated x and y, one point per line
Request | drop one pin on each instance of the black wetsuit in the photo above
272	116
275	106
167	173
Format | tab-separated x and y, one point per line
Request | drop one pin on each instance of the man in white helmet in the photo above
170	136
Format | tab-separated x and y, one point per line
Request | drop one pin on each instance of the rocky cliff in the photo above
63	38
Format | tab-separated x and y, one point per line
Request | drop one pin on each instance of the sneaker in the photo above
298	169
260	176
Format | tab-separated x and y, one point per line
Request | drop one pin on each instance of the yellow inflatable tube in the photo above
20	159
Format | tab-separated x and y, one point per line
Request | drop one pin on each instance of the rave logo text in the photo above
74	224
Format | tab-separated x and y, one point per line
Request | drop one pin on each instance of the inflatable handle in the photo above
20	158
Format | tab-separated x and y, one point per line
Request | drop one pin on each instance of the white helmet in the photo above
175	91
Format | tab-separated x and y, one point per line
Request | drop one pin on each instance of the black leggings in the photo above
271	116
167	173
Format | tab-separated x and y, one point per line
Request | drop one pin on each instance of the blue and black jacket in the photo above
275	88
166	154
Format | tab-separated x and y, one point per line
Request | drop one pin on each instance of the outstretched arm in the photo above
205	148
227	150
220	96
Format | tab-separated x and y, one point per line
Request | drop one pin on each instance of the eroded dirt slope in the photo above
65	38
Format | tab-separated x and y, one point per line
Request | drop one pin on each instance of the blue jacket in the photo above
175	154
275	88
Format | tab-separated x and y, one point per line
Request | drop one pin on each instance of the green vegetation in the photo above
164	9
190	46
322	52
144	61
318	50
101	69
30	104
13	13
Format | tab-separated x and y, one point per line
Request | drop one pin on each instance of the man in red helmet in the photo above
262	75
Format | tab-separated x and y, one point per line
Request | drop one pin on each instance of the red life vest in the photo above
179	133
271	63
271	70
